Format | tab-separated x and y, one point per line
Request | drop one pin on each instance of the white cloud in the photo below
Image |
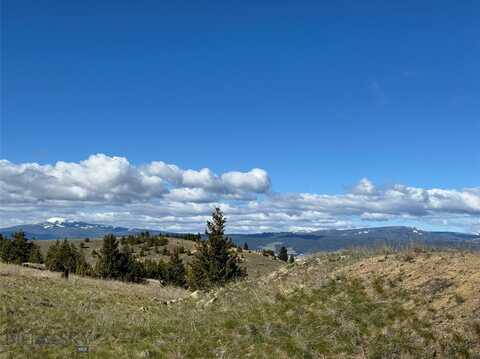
365	187
170	173
99	178
105	179
257	180
376	216
254	181
111	190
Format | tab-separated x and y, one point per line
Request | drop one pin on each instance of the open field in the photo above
355	304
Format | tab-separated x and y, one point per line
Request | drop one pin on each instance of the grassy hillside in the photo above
256	265
409	304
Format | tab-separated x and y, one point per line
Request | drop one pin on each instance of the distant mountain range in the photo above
332	240
59	228
309	242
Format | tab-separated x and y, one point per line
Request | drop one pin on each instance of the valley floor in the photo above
353	304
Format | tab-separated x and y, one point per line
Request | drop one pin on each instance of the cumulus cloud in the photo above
107	189
99	178
105	179
395	200
254	181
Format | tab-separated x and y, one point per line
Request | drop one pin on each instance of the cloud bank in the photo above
105	179
109	189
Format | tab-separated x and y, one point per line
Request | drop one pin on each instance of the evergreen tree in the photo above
82	267
3	243
283	254
214	263
19	249
61	257
132	270
109	265
7	253
156	270
114	264
291	259
176	270
65	257
35	255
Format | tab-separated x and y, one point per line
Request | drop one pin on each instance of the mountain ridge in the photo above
296	242
60	228
332	240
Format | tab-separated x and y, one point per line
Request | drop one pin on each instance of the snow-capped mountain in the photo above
332	240
298	242
59	228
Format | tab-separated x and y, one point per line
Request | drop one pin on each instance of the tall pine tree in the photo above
214	263
110	262
19	249
176	269
115	264
283	254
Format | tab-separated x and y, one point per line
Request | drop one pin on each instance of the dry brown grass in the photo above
14	276
449	281
341	305
443	285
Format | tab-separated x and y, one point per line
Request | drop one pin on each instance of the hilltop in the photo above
255	263
351	304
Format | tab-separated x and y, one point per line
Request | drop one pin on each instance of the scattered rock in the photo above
34	265
211	301
153	281
437	285
196	295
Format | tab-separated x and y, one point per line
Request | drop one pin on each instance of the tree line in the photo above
156	239
19	249
214	263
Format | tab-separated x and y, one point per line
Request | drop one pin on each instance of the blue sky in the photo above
318	94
